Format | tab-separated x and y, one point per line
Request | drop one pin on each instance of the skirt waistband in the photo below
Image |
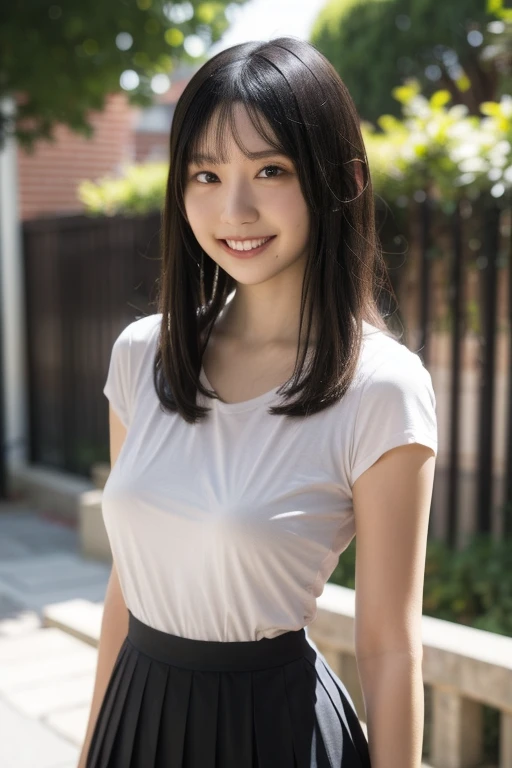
217	655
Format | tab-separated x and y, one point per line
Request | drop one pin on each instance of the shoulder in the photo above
386	361
391	380
396	403
137	335
144	328
135	344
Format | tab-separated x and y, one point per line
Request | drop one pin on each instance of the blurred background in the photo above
87	94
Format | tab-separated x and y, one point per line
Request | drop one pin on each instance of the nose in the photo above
238	204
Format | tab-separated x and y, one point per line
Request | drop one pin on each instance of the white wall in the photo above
12	366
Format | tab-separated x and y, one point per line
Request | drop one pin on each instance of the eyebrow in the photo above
199	158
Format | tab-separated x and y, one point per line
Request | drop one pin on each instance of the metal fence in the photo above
463	308
86	279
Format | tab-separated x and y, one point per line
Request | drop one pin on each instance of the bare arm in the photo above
391	506
114	625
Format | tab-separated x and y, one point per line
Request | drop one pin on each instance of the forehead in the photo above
232	130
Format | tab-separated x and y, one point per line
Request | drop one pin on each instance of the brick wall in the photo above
48	178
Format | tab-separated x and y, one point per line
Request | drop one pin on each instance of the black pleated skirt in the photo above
175	702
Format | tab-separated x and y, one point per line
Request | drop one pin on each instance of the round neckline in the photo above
243	405
266	397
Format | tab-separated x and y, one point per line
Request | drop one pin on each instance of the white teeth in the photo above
246	245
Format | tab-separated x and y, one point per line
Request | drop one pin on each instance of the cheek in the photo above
196	212
290	207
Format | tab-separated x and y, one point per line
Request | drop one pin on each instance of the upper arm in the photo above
391	507
117	432
117	390
118	384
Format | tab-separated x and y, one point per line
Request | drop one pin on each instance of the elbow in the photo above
412	652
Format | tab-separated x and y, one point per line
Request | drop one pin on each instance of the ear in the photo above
358	170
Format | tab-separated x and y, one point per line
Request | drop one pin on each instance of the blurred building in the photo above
49	176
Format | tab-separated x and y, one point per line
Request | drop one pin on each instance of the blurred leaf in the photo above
440	98
463	83
405	93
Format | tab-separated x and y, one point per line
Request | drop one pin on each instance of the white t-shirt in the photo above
228	529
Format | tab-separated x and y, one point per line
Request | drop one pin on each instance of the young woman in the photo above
259	421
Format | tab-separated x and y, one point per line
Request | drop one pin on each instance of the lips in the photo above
250	252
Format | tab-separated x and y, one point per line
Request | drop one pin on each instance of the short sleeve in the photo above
397	407
117	386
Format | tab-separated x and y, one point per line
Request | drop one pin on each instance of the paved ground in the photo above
46	675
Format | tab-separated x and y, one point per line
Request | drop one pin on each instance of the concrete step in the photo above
46	685
79	618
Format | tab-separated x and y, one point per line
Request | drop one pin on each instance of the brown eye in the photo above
273	168
204	173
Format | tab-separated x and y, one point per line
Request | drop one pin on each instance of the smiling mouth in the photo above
247	245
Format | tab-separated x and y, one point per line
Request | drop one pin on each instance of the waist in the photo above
219	656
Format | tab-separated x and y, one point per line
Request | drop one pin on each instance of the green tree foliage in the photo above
61	59
376	44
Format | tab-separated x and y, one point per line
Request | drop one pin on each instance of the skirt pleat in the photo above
173	723
127	735
344	705
174	702
235	743
111	708
272	722
150	721
331	720
201	746
300	683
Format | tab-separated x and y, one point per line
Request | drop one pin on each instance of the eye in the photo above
273	168
205	173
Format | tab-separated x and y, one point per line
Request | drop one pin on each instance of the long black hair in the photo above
289	86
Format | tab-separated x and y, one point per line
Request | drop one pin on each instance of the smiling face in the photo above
238	203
